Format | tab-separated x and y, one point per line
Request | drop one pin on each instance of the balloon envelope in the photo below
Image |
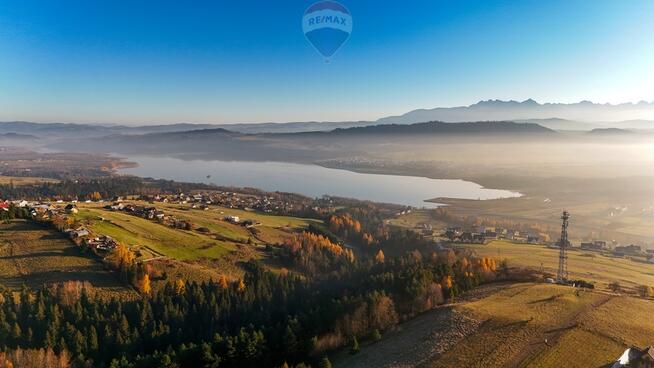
327	25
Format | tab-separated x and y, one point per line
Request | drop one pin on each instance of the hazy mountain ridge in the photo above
610	131
583	116
438	127
584	111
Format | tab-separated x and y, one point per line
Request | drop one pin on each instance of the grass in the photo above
199	255
601	269
583	329
579	348
190	271
223	238
273	228
33	255
135	231
516	321
20	180
624	319
415	218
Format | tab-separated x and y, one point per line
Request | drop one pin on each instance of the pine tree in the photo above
325	363
355	346
290	342
93	339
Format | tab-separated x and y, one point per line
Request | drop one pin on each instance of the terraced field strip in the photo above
24	180
174	243
582	265
34	255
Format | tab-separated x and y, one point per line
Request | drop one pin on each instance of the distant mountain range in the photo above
17	136
610	132
485	128
301	146
582	116
584	111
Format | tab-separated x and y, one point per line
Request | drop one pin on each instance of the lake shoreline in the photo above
316	180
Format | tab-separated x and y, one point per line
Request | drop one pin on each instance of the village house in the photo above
596	245
251	223
22	203
233	219
533	238
71	209
628	250
102	243
635	357
78	233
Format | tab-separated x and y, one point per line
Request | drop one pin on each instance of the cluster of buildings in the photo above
82	235
47	211
263	202
146	212
483	234
596	245
150	213
618	250
237	221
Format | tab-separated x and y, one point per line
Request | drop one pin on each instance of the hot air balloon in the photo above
327	25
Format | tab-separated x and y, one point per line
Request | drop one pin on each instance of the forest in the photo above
348	282
333	297
263	320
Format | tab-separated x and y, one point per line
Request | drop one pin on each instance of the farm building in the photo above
635	357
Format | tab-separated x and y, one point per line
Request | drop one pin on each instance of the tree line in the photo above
263	320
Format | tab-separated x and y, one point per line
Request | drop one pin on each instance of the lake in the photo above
313	180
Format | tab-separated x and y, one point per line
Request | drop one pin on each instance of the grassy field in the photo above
169	242
583	329
515	325
33	256
220	240
627	220
273	229
516	321
581	264
19	180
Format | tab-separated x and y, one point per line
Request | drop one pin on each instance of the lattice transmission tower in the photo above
562	274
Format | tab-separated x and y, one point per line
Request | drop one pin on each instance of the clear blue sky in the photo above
248	61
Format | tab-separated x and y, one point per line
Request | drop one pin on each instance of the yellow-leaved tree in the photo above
241	286
145	285
379	258
180	286
222	282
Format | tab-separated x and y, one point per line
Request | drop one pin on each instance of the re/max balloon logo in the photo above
327	25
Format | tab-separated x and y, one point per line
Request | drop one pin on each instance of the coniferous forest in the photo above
264	320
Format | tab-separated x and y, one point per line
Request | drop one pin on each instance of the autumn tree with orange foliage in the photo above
144	285
380	257
41	358
222	282
240	287
313	253
180	287
123	260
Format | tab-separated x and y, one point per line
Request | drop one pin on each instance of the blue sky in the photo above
236	61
